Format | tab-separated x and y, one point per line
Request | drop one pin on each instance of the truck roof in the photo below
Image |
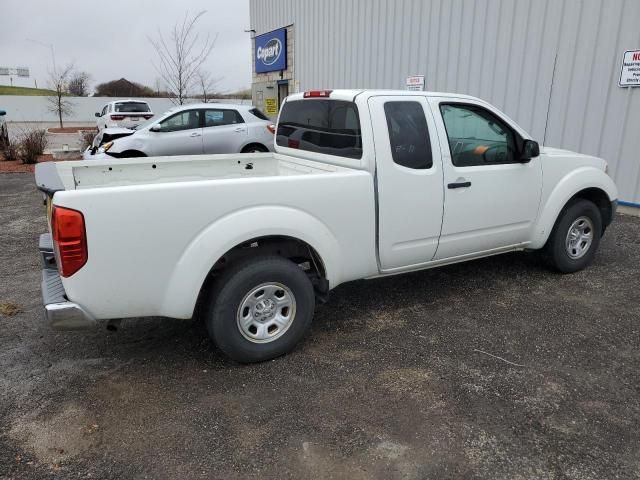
350	95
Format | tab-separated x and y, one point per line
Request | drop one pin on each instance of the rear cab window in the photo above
330	127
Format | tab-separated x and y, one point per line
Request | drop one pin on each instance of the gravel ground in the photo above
391	382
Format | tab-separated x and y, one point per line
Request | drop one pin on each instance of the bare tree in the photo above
79	84
206	84
59	83
181	55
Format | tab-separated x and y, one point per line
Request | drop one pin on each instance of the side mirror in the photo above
530	149
98	114
2	113
155	128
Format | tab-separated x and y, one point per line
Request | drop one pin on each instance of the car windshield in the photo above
132	107
142	125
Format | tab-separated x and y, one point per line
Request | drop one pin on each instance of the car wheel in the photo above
254	148
260	309
575	237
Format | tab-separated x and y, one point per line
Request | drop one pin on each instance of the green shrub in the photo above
32	145
8	150
86	139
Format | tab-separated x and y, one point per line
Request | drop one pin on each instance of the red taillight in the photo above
271	128
147	117
317	93
69	240
117	117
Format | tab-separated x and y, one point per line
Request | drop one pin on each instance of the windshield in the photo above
142	125
132	107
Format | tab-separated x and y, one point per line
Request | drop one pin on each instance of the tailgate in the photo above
48	179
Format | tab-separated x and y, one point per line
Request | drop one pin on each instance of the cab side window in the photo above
186	120
477	136
104	110
408	134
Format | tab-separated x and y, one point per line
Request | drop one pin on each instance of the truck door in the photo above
409	180
491	198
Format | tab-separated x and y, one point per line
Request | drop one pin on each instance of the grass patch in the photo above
9	309
7	90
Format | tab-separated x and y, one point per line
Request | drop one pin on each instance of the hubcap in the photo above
579	237
266	312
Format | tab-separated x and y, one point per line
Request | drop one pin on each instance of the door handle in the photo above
195	134
459	185
240	129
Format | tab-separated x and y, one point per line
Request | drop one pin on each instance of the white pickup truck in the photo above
363	184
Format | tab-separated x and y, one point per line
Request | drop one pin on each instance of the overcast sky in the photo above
109	39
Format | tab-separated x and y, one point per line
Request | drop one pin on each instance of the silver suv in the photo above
193	129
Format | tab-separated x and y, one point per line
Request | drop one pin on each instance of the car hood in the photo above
109	134
559	154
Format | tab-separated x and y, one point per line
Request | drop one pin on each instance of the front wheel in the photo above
254	148
260	309
575	237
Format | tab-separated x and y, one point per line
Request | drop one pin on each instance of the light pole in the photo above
50	45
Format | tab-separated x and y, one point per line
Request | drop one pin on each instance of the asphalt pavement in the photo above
494	369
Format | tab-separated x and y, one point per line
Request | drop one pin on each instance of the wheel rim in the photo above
579	237
266	312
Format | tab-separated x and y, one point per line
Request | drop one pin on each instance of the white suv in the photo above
123	113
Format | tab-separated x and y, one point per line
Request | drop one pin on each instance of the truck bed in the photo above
156	226
152	170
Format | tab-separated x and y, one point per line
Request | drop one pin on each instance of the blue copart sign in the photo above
271	51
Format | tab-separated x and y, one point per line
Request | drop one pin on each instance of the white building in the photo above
552	65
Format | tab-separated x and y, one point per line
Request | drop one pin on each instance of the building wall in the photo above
264	86
37	109
552	65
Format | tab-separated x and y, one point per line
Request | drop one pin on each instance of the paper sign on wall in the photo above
415	82
630	71
270	106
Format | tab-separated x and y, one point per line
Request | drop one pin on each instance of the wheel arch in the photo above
252	144
587	183
130	153
258	230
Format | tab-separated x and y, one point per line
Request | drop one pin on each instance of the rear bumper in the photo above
59	312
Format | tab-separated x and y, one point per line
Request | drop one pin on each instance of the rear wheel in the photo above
575	237
255	148
260	309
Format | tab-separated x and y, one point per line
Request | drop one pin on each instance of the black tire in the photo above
132	154
254	148
235	285
556	253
